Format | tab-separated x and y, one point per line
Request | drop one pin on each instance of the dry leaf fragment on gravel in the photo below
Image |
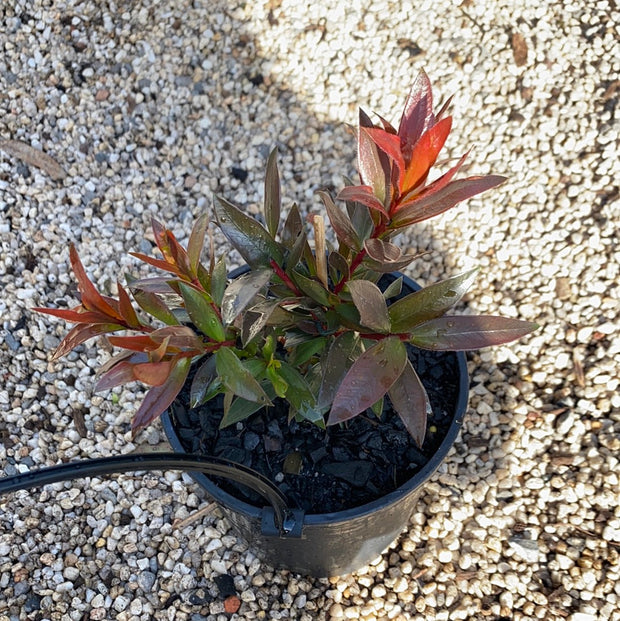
519	49
33	157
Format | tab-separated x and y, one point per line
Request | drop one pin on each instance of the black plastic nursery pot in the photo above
334	543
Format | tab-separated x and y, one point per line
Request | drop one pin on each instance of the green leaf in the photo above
298	249
394	288
202	314
159	398
428	303
203	383
342	225
241	291
298	393
409	399
339	267
272	193
219	279
305	351
313	289
154	306
237	378
336	364
368	379
464	333
247	235
371	305
241	409
196	241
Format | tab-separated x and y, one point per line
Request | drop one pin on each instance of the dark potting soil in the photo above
318	470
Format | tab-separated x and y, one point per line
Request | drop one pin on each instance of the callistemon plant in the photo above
307	324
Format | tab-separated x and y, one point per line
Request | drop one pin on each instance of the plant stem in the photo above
284	277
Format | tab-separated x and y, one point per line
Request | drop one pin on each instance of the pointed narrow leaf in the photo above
159	398
80	334
219	280
272	193
202	313
154	306
202	381
126	310
247	235
196	241
391	145
464	333
433	203
237	378
362	194
91	299
120	373
241	291
418	112
298	393
429	302
158	263
293	226
371	305
394	288
336	364
409	399
342	225
370	377
241	409
373	164
74	315
425	152
303	352
313	289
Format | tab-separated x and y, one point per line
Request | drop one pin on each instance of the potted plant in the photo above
314	358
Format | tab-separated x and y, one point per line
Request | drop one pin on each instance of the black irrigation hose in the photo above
213	466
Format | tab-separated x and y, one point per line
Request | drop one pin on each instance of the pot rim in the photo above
311	519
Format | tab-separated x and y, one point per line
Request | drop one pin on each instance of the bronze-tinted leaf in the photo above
431	204
256	318
80	334
418	112
464	333
272	193
293	226
429	302
410	401
385	257
196	241
202	382
371	305
159	398
373	163
313	289
241	291
247	236
370	377
336	364
342	225
362	194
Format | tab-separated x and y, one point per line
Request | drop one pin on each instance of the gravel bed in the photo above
144	109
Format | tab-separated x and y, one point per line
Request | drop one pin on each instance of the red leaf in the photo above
410	401
153	373
465	333
418	112
368	379
424	154
436	202
81	333
389	144
196	241
159	263
362	194
91	298
126	309
159	398
121	372
74	315
374	166
341	223
134	343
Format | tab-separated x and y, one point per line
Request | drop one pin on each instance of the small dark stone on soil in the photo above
225	585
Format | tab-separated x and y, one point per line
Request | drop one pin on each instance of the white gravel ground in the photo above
147	106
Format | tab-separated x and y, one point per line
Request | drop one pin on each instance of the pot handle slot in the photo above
291	528
283	518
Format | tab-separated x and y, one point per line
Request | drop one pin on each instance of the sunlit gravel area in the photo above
114	112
